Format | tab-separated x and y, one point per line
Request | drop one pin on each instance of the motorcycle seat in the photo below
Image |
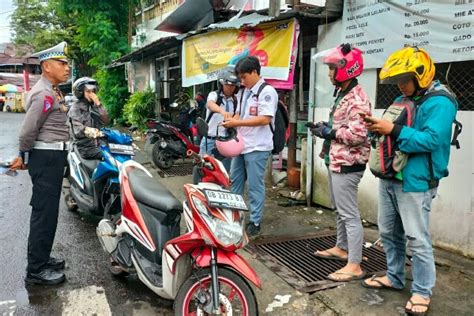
89	164
150	192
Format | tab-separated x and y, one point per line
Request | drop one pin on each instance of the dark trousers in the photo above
46	168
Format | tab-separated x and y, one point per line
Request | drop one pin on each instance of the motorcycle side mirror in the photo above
202	127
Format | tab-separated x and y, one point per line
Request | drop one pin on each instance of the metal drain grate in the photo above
177	170
293	260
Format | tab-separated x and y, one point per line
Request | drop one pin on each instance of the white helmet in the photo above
228	76
83	83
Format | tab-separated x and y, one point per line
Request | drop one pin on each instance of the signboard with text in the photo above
443	27
274	44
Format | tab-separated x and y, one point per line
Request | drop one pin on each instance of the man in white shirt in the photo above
221	104
257	108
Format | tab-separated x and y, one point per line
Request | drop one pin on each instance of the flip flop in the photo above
352	276
380	286
411	312
331	256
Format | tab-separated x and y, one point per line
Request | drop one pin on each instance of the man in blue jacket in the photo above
404	206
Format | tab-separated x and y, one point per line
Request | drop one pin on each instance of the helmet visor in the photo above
90	87
331	57
398	79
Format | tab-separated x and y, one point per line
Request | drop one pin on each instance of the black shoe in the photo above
55	263
45	277
252	229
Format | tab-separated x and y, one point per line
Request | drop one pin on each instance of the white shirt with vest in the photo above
258	138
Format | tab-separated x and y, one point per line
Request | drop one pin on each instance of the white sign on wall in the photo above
443	27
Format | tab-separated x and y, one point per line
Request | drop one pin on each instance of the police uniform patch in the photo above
268	98
47	103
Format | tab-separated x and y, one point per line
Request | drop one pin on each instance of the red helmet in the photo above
347	60
231	145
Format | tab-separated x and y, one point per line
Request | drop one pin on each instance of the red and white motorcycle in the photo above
199	270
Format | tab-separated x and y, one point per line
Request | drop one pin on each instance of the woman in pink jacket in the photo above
346	152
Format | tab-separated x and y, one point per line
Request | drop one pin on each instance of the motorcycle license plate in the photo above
121	149
223	199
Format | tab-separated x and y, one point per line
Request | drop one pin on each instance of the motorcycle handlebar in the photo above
195	156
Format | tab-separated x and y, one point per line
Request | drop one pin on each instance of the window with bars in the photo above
458	76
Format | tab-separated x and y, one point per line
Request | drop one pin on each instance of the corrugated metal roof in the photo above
162	43
250	20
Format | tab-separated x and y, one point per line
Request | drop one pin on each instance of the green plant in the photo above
139	107
113	90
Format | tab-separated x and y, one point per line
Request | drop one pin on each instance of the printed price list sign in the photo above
443	27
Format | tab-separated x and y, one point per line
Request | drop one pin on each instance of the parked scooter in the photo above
170	141
94	184
200	270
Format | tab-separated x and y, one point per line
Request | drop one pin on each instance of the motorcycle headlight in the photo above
201	207
227	232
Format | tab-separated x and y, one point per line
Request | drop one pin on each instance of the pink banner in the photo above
288	84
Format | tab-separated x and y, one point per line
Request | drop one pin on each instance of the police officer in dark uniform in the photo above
43	151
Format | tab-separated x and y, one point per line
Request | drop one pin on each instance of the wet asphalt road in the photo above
89	289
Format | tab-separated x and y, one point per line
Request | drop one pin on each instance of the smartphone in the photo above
365	117
310	125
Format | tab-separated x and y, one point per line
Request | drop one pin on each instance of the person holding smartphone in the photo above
404	205
345	151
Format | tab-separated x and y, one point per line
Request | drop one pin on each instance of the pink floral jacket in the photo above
351	146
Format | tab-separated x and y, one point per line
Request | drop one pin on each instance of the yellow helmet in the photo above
408	61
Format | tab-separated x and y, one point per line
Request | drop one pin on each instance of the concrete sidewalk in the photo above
453	294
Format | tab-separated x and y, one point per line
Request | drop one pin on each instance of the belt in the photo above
51	146
212	137
352	168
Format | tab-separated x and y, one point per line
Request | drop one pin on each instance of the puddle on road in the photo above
37	295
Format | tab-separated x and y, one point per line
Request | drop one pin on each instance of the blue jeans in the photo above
209	149
404	222
251	166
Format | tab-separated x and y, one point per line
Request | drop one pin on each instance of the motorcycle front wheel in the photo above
236	297
160	158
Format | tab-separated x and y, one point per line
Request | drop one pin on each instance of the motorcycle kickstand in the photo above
215	282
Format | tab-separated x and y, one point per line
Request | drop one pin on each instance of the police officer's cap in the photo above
57	52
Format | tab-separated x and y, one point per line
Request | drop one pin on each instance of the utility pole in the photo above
291	162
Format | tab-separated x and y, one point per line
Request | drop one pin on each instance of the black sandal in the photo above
411	312
380	286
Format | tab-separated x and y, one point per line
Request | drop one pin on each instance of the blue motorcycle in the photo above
94	184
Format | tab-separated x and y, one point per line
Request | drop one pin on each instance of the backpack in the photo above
281	124
385	159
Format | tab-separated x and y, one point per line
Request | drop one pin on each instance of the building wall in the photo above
141	75
149	20
452	215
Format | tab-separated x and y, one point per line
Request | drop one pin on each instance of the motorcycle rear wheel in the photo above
235	294
160	159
